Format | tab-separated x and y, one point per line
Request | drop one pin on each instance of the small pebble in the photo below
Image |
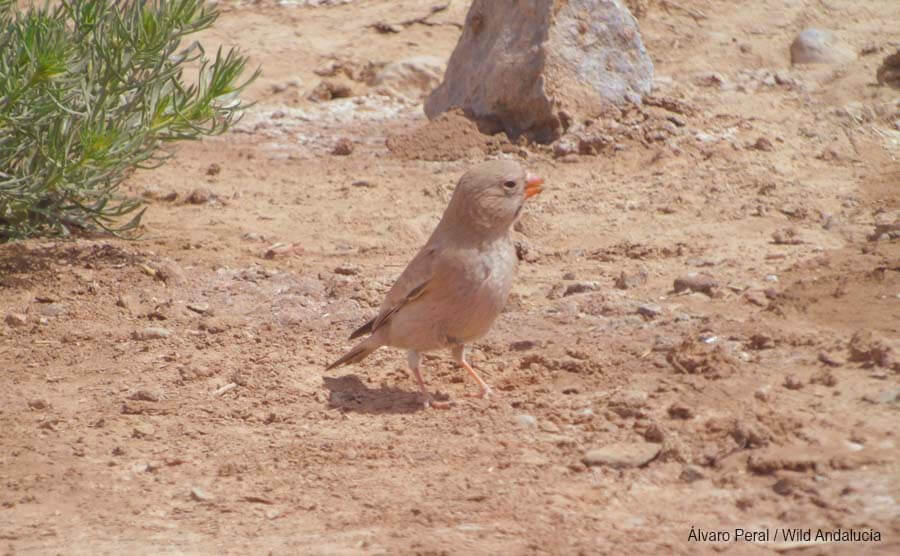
523	345
347	269
52	309
690	474
791	382
16	319
152	333
579	287
201	308
649	310
680	411
143	430
629	280
199	196
784	486
527	421
38	404
343	147
622	455
200	495
697	282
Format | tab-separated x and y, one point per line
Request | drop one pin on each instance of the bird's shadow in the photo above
348	393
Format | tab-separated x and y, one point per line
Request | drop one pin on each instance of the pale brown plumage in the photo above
457	284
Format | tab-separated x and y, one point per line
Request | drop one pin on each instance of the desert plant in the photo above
91	90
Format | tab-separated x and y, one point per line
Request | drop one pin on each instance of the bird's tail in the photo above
357	354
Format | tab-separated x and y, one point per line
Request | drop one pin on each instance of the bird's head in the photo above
490	196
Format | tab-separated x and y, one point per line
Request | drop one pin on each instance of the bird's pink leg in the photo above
459	354
412	357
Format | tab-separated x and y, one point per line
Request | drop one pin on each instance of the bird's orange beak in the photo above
533	185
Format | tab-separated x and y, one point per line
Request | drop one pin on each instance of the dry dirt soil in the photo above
167	395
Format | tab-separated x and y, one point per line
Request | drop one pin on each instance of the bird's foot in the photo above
428	401
486	393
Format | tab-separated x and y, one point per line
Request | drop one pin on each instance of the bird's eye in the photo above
509	184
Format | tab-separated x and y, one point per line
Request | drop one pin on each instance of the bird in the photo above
455	286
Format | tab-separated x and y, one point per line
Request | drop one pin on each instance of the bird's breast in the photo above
478	305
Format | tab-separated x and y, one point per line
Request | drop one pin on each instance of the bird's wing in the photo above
411	285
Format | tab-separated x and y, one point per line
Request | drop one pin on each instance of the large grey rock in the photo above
535	66
817	46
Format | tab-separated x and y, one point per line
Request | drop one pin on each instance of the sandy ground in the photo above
167	395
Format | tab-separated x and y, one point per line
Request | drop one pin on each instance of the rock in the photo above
868	349
527	421
127	302
697	282
593	143
343	147
791	382
579	287
200	495
824	377
889	71
584	415
784	486
170	272
884	397
548	426
535	67
680	411
622	455
200	308
748	434
887	225
756	297
523	345
629	403
386	28
143	430
830	359
199	196
654	434
213	169
786	236
52	309
16	319
347	269
690	474
818	46
760	342
411	79
152	333
565	146
763	144
787	458
144	396
329	90
649	310
629	280
38	404
525	252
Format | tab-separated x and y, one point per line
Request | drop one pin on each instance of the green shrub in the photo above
90	90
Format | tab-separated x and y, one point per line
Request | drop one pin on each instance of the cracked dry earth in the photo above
704	330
